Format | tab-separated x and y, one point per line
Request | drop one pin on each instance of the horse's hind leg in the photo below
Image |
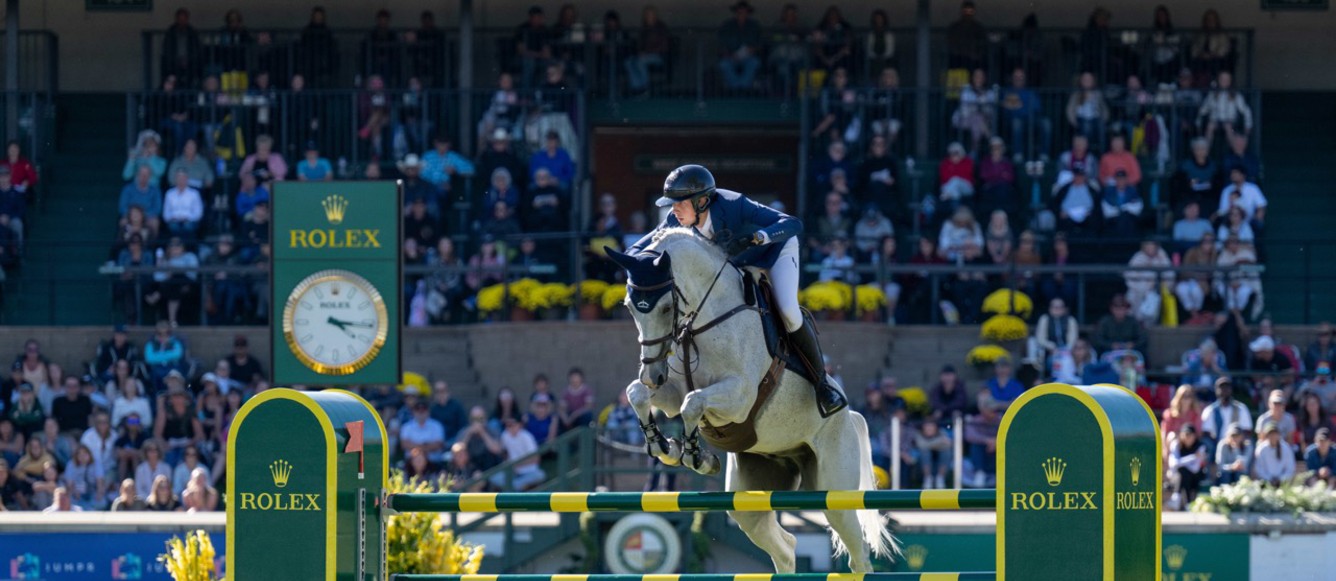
750	472
836	466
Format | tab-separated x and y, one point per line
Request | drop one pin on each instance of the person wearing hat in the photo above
554	158
1234	455
110	351
1118	329
26	413
739	46
753	235
1074	201
1121	206
177	426
442	164
423	431
1222	412
419	223
541	420
244	368
1275	414
1266	362
1319	459
313	167
1273	460
410	167
1186	464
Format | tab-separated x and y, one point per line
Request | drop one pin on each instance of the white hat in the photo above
500	134
1262	343
410	160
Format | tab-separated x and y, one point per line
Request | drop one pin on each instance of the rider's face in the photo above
685	213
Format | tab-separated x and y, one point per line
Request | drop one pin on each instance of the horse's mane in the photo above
673	239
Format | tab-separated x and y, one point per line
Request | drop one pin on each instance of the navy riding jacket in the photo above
733	215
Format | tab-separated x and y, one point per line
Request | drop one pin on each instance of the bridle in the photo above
684	331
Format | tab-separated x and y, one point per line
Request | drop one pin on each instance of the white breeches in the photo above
784	278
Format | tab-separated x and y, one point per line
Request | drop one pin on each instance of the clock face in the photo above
335	322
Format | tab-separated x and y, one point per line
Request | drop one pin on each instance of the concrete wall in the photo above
102	50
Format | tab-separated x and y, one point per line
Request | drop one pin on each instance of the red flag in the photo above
355	444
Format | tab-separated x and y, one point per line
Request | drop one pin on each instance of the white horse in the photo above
682	287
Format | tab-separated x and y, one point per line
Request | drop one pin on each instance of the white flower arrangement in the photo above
1254	496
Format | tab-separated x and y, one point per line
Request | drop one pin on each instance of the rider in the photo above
753	235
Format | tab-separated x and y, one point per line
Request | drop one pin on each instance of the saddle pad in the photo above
741	437
758	293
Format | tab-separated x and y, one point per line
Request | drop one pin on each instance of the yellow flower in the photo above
827	296
190	559
1004	328
986	354
1005	301
591	291
491	298
416	543
870	298
613	297
916	400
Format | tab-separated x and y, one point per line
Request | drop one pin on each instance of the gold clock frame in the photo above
382	321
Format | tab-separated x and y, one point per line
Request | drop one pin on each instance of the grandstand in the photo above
1141	188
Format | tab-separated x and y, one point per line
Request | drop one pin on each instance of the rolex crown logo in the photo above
1174	556
335	206
915	556
280	470
1136	471
1053	469
334	289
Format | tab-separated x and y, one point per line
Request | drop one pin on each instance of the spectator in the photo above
1225	108
442	164
555	160
1266	362
1184	410
228	291
837	264
199	495
26	413
1121	208
870	231
1273	462
835	160
61	501
832	41
576	407
83	479
423	432
266	165
1239	156
521	450
11	441
182	206
1312	417
1235	225
1245	195
222	375
1223	411
12	210
1145	286
1321	385
1031	131
934	448
177	424
249	195
504	407
151	470
183	472
1205	366
1191	228
143	192
176	280
1322	348
948	398
1074	204
886	109
966	40
23	175
1164	46
198	169
32	466
1117	159
381	49
1078	156
129	445
478	442
739	45
1319	459
447	410
533	44
128	499
840	109
160	497
540	421
72	411
1087	112
1187	467
961	239
651	50
245	369
997	179
977	110
1198	178
998	238
130	399
1056	330
113	351
981	437
1234	455
145	154
544	208
1243	290
1003	386
877	176
1117	330
486	267
313	167
956	176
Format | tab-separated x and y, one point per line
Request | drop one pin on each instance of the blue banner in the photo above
88	556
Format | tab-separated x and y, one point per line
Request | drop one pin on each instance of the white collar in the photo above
707	228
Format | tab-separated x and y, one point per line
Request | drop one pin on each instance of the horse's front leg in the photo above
726	402
643	400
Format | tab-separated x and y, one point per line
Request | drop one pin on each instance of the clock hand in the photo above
342	325
362	325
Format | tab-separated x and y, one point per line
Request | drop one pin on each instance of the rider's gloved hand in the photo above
740	244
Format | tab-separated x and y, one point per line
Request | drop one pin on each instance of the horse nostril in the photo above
659	379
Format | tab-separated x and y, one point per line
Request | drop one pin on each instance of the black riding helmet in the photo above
689	182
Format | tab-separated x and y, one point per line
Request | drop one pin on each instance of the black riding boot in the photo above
828	397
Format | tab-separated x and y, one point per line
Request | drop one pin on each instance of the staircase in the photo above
69	237
1299	136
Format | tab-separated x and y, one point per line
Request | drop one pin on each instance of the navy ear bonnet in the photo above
649	276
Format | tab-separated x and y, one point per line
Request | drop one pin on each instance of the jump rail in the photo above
985	499
971	576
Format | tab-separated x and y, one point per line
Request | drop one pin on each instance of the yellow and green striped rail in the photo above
694	501
980	576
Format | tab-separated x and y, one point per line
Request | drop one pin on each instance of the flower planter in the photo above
554	313
837	315
872	316
520	314
590	312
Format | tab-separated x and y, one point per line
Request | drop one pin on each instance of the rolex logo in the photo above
1136	471
334	289
1053	469
335	206
280	470
916	555
1174	557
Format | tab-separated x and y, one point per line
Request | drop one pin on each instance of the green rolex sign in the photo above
336	280
1093	494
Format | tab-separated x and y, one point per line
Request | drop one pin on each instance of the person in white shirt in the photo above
182	206
1143	286
1244	194
1187	466
131	401
1276	414
1273	461
101	441
423	432
519	443
1222	412
838	265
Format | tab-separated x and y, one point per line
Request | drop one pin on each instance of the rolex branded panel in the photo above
336	293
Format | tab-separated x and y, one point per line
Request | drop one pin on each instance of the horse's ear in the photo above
664	262
622	260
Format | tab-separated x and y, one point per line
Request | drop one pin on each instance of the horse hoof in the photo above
673	456
709	466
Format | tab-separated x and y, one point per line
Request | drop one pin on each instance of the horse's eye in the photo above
664	309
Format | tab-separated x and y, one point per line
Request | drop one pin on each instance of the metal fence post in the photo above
895	452
958	443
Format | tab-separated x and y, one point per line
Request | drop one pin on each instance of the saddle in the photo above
740	437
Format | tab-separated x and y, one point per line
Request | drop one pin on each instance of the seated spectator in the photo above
886	107
144	193
544	208
199	495
420	224
112	351
83	479
1273	461
13	206
447	410
981	439
1204	365
934	448
651	51
1266	361
1144	286
129	445
265	164
998	238
997	179
1311	417
1055	331
1198	178
164	352
177	424
228	291
948	398
1117	159
22	172
961	238
1234	455
540	420
128	499
1078	156
1087	112
955	174
130	396
422	431
1222	412
249	195
32	466
11	441
160	497
15	492
1243	194
837	263
460	469
1224	108
576	407
243	367
1118	330
182	207
1121	207
410	168
1184	410
184	470
1189	230
145	154
839	109
151	470
555	160
977	109
178	284
831	224
1186	466
878	417
521	448
1240	291
835	159
442	164
1319	459
739	47
1235	225
313	167
1074	204
877	178
198	169
73	410
26	413
62	501
870	231
1031	132
1003	386
1239	156
1322	348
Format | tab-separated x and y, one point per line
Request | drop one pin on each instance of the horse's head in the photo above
652	300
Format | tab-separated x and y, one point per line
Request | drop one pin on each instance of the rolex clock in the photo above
335	322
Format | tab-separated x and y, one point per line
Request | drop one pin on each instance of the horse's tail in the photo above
875	532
